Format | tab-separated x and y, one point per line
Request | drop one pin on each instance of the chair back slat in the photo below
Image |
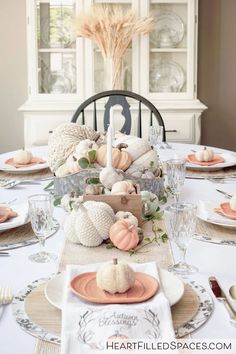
83	118
139	128
151	118
94	116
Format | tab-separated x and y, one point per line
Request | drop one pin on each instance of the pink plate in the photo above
85	286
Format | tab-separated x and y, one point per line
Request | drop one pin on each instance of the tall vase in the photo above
113	74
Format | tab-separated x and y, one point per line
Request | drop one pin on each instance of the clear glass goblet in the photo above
41	217
155	136
175	170
180	222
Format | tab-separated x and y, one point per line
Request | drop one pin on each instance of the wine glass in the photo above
180	222
155	136
41	217
175	170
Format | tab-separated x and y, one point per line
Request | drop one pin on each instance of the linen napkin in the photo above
206	210
86	327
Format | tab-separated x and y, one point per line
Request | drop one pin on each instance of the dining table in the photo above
212	259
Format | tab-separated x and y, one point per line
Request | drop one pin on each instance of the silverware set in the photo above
10	183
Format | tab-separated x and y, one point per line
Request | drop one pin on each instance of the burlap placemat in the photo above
21	236
224	172
33	175
17	237
46	316
215	234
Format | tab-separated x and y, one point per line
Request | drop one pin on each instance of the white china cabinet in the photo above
64	70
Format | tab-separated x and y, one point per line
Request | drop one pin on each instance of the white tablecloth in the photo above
211	259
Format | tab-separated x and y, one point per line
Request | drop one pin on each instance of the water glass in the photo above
180	222
175	170
155	136
41	217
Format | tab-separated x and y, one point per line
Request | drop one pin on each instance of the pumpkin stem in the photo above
130	227
204	148
97	137
74	158
121	146
115	261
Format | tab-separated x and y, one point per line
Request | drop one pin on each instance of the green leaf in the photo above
147	239
49	186
164	237
109	246
57	201
83	162
92	155
93	180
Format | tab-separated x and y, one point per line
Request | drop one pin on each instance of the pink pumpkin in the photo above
123	235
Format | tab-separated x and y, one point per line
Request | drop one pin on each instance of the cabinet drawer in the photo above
180	128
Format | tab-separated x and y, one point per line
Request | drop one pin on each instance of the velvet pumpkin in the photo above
124	235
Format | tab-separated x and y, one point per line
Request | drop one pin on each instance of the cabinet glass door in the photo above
168	48
56	47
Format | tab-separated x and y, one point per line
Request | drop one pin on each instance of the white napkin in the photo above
87	327
206	212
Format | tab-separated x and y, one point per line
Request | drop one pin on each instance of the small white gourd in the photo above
62	171
23	156
232	203
91	224
72	164
84	146
123	188
127	216
116	277
204	155
109	176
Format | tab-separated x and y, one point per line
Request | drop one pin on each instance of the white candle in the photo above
109	147
112	122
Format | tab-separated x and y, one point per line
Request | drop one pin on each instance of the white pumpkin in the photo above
68	200
143	162
72	164
91	224
64	139
204	155
109	176
22	156
84	146
69	227
136	146
116	277
128	216
62	171
232	203
123	188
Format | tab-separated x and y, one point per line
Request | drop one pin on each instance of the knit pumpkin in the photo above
64	139
121	159
90	224
123	234
116	277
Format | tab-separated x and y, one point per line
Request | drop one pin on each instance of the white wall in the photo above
13	72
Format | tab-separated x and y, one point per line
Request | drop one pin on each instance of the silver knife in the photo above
219	294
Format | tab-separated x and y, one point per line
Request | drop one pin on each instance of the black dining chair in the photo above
119	97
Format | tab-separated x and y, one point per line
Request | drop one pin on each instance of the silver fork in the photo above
6	297
10	183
